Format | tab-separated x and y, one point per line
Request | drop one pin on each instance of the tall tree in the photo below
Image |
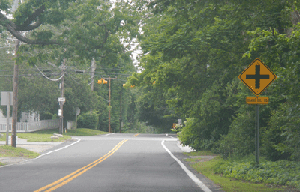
194	51
77	30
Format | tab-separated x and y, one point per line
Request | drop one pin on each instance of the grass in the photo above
3	137
45	135
9	151
39	136
42	136
84	132
229	185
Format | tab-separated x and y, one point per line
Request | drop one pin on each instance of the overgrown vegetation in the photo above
230	184
193	54
88	120
281	172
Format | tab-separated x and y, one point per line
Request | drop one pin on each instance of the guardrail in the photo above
32	126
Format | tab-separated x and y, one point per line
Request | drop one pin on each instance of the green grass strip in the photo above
84	132
41	137
9	151
45	135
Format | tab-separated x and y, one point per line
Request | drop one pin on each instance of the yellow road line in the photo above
78	172
136	134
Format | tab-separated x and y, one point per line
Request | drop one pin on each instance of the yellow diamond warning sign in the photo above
257	77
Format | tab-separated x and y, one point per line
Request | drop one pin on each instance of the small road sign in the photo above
6	98
174	126
77	111
257	77
62	99
257	100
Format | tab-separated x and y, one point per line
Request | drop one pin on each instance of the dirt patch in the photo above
196	159
12	160
205	158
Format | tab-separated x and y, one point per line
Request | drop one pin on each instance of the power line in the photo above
48	77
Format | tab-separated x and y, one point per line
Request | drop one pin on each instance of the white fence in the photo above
32	126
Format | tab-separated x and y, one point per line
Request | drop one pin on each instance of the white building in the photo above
25	117
30	117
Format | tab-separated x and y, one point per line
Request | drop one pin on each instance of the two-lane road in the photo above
113	162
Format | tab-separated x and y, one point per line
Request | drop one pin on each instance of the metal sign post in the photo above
257	135
6	99
77	113
61	101
257	77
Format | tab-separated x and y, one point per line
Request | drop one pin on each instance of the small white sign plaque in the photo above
4	98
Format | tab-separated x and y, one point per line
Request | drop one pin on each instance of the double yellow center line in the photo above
80	171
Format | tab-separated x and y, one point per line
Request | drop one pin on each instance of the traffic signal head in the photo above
100	81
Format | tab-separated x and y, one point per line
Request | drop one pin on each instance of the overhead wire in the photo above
48	77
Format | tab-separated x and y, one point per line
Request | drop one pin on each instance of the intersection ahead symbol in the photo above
257	77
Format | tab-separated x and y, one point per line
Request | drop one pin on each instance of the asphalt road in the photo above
114	162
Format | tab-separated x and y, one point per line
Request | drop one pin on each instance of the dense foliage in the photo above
73	33
193	52
281	172
88	120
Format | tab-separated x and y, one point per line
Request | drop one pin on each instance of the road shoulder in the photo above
177	152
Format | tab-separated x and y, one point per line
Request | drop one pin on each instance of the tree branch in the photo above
24	39
26	25
29	27
11	27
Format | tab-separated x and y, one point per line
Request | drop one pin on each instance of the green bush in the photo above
240	139
88	120
193	134
281	172
281	139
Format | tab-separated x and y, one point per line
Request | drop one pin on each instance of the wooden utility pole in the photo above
102	81
109	95
93	67
62	92
15	98
121	109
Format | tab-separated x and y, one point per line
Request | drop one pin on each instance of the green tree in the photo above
78	31
195	50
